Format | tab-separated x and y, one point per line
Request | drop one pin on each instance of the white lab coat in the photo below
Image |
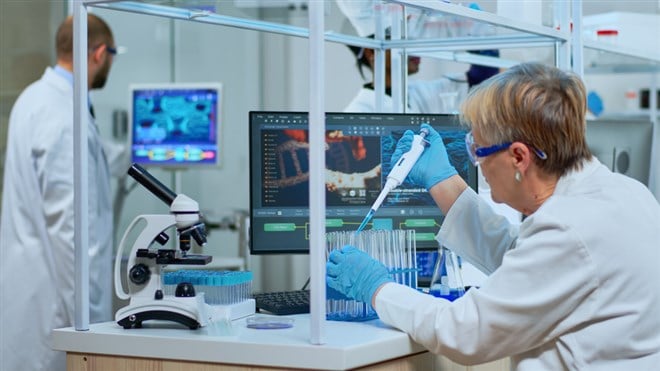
36	230
576	286
432	96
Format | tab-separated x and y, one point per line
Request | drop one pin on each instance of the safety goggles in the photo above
114	51
110	49
475	153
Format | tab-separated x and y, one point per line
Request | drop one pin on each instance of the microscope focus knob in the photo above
184	290
139	274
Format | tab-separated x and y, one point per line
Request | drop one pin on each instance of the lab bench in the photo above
368	345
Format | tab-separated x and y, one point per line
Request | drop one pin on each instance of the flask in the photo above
447	280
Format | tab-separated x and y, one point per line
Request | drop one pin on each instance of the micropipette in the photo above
398	173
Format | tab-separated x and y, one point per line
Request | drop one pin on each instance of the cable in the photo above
306	284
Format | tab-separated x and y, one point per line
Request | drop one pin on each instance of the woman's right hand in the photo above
433	165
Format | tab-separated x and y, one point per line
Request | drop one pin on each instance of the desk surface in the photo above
348	344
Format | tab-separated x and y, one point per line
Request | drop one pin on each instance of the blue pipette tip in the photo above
366	220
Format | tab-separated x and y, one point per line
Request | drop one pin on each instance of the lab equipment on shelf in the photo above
396	249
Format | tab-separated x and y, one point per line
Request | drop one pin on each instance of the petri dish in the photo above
269	323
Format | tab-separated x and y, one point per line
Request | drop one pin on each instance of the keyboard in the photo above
283	302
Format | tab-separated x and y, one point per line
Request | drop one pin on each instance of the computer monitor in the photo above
175	125
358	151
623	145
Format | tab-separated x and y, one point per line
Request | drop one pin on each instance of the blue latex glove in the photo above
433	165
355	274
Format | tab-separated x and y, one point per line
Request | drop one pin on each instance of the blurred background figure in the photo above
36	230
441	95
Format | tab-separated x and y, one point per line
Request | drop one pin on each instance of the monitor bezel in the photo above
217	86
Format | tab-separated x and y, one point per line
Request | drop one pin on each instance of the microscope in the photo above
143	271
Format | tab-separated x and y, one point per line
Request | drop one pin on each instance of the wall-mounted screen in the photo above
358	151
175	125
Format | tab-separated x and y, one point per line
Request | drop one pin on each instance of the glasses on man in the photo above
111	50
475	153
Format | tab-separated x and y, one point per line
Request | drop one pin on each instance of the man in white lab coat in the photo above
36	229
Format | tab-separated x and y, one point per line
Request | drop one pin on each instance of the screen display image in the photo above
358	151
175	125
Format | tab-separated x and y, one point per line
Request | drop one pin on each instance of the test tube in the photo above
395	249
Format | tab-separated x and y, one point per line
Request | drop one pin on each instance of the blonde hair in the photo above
539	105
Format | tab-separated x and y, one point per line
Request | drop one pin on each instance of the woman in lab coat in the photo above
36	230
424	96
441	95
576	285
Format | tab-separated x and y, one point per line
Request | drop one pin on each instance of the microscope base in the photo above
136	319
191	312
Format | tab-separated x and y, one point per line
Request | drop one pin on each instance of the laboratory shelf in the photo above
621	68
472	43
650	55
510	33
604	58
208	17
486	17
447	48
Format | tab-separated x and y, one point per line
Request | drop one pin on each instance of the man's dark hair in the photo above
360	60
358	51
98	33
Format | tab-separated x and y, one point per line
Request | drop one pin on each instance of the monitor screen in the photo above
175	124
358	152
623	145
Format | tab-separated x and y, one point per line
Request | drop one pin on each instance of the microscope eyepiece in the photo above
142	176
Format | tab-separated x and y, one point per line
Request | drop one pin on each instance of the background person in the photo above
575	286
36	230
441	95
